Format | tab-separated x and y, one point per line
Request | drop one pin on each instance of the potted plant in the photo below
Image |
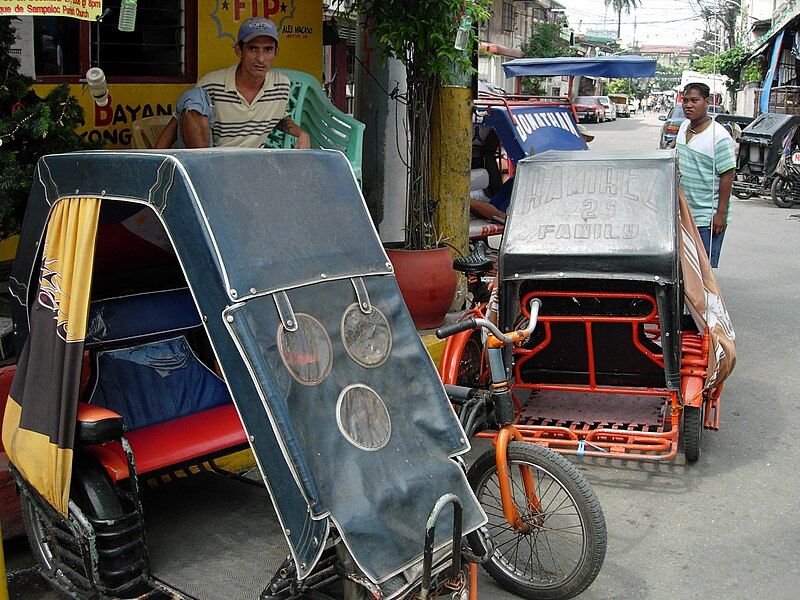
423	36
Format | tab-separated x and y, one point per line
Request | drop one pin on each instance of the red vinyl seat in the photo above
176	442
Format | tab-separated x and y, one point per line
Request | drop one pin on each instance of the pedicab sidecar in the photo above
521	126
761	146
607	244
173	307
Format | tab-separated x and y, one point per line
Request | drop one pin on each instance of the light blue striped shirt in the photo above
708	155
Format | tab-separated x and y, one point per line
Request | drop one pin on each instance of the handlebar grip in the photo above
459	391
448	330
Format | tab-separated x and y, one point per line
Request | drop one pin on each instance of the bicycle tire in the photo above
572	490
779	194
692	432
470	367
92	491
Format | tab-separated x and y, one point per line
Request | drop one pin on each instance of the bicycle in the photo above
548	527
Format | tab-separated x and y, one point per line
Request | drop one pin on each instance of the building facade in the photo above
511	24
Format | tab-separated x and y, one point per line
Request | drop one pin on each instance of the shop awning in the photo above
781	22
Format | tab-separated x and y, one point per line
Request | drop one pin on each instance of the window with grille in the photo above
162	48
508	16
156	48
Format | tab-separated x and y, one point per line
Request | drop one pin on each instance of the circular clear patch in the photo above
362	418
307	351
367	337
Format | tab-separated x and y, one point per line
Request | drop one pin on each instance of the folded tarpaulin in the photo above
704	300
534	129
600	66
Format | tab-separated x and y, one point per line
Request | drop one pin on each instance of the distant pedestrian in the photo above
707	165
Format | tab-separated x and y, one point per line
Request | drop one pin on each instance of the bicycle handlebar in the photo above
514	337
448	330
510	338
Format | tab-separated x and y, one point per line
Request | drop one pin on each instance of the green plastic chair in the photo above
327	126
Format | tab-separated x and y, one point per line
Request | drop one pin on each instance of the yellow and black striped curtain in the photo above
39	422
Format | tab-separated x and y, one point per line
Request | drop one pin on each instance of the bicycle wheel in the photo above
470	368
562	553
781	193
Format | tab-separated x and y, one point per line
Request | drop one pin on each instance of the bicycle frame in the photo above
500	396
603	442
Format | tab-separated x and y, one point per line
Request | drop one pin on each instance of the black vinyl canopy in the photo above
268	240
769	128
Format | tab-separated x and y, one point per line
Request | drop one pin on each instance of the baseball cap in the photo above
256	26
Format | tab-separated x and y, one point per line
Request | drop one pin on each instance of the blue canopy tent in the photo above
600	66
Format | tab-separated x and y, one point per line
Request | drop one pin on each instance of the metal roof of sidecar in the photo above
273	220
771	125
534	129
591	215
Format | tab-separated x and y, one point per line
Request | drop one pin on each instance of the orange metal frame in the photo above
611	442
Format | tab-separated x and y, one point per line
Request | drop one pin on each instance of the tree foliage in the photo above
631	87
728	63
619	6
30	127
545	42
421	35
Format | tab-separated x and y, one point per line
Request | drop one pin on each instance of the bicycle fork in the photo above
507	433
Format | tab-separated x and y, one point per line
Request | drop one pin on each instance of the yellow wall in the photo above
300	29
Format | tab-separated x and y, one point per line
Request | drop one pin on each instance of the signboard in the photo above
299	29
86	10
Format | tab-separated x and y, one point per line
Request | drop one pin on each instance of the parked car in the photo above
621	104
611	108
674	118
589	108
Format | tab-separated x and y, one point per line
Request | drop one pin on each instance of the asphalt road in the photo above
726	527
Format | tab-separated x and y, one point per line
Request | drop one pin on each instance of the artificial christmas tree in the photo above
30	127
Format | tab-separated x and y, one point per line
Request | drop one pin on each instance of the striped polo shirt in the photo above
708	155
237	122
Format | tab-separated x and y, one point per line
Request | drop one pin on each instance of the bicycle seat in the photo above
477	262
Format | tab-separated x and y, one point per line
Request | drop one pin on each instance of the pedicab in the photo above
173	307
634	335
762	148
512	127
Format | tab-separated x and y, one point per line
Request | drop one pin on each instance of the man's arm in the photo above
168	136
287	125
195	129
720	219
726	167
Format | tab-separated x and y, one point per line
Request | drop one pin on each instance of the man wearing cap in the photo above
241	105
